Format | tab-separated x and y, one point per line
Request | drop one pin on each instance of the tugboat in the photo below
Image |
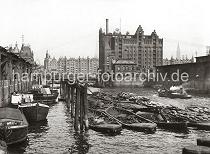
174	92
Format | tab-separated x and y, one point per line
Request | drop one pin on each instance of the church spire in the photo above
22	37
178	52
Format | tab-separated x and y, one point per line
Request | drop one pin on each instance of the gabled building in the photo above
25	52
146	51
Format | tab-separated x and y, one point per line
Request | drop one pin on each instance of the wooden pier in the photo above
75	96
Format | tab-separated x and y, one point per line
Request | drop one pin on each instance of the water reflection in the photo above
18	148
180	131
36	130
57	135
81	144
38	127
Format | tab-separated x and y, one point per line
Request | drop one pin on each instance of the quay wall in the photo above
199	76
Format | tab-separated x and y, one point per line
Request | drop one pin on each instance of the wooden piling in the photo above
77	105
63	90
68	101
3	102
81	109
60	88
85	103
66	91
72	101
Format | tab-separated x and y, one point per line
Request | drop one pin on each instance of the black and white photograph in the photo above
104	77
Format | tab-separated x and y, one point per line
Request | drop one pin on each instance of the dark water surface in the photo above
57	134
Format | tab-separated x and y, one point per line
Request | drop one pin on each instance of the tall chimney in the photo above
107	26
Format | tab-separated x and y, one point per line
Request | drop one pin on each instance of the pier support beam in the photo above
85	103
72	101
68	100
77	105
81	109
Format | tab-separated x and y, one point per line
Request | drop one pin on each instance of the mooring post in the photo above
63	94
81	109
62	90
85	104
76	122
68	96
67	91
72	101
3	102
14	83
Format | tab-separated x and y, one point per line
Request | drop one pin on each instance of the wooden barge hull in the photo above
35	112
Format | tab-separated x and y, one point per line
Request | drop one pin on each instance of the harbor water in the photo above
56	135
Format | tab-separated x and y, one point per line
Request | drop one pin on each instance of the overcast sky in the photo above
70	27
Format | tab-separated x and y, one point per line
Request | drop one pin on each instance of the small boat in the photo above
101	122
130	120
179	95
163	92
131	106
44	95
173	94
13	126
162	122
200	125
34	111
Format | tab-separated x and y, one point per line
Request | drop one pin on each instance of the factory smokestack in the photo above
107	26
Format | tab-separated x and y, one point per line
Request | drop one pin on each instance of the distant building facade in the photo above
207	50
124	66
178	59
174	61
146	51
71	65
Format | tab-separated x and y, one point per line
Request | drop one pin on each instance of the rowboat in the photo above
34	111
200	125
162	122
101	122
130	120
13	126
